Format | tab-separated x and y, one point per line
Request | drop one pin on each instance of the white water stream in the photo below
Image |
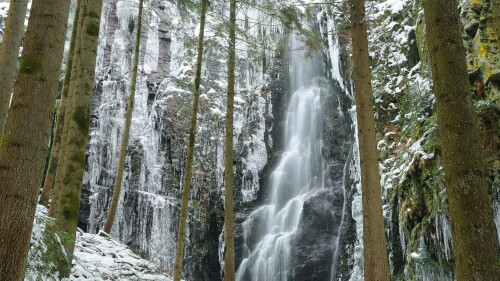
297	177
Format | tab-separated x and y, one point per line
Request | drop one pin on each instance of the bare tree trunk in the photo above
228	162
56	144
475	242
126	134
189	161
75	144
9	51
22	157
376	266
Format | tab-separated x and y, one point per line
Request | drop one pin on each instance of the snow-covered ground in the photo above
96	258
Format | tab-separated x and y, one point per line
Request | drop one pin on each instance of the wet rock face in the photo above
326	226
312	251
147	215
276	93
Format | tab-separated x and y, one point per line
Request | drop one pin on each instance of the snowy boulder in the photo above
101	258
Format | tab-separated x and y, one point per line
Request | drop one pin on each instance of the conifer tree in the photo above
9	50
24	147
74	142
376	265
60	164
56	143
474	235
189	161
126	133
229	265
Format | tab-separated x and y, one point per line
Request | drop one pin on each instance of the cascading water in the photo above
273	234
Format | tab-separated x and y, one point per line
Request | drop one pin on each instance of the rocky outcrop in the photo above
312	253
147	216
415	205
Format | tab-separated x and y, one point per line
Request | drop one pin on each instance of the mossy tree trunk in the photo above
189	161
376	265
9	50
475	241
75	144
56	189
229	265
495	8
126	133
22	156
56	143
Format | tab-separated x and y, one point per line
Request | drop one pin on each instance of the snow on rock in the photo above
256	159
95	258
101	258
394	6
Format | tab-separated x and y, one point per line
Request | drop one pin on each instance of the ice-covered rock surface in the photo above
96	258
418	227
147	216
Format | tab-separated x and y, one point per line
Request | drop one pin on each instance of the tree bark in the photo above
475	240
56	144
57	189
229	265
75	145
9	52
376	266
22	157
189	161
126	133
495	8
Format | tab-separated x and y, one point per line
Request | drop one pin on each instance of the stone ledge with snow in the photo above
95	258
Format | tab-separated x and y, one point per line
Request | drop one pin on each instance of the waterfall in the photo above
298	180
297	176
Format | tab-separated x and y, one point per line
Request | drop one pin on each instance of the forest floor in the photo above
96	258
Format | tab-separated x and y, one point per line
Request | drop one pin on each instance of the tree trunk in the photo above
126	133
376	266
9	52
22	157
57	189
475	240
56	143
75	145
189	161
228	167
495	8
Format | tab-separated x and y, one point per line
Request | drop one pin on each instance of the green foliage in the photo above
183	111
312	40
290	17
431	143
187	7
30	64
415	107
